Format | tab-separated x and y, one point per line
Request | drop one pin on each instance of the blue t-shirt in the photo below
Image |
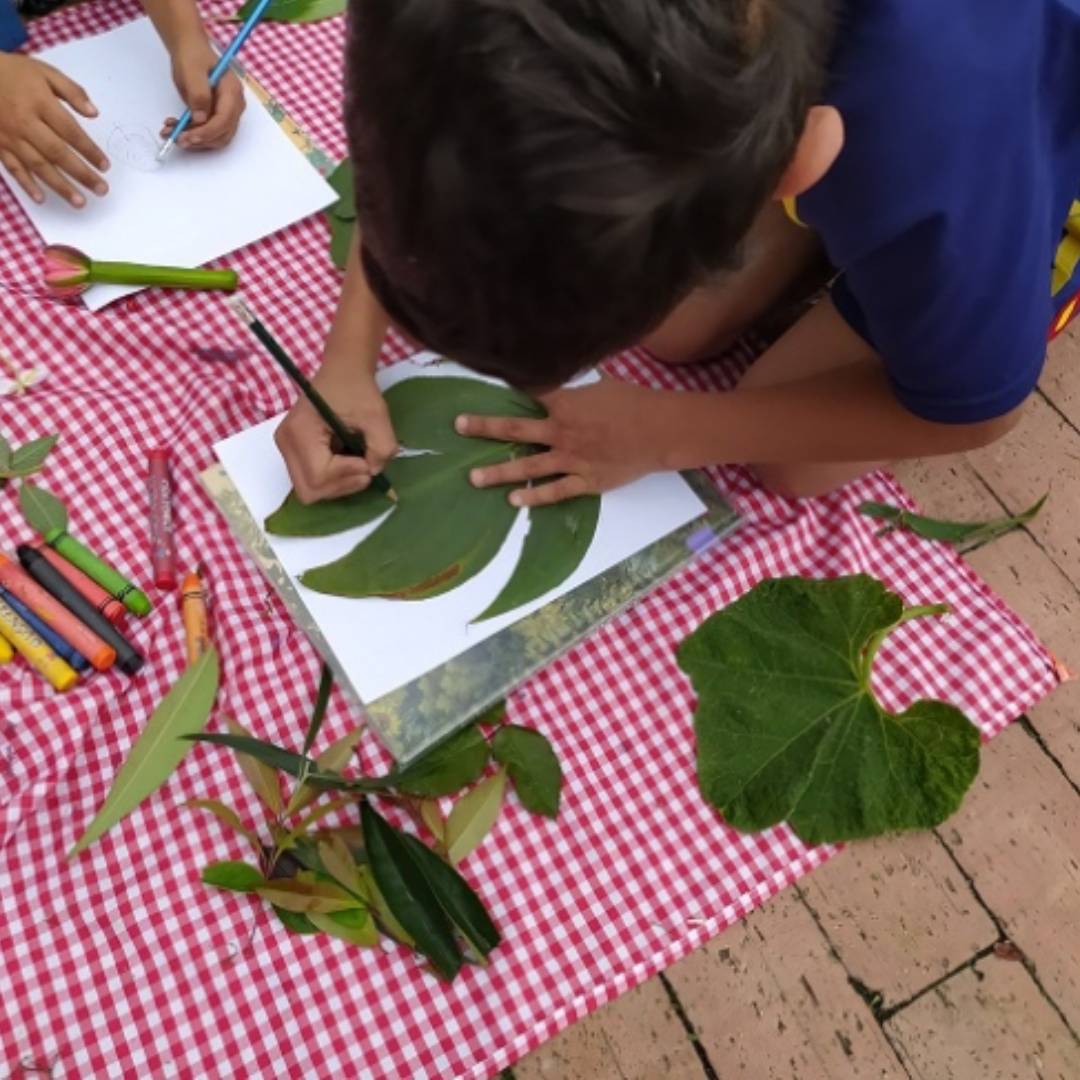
12	31
945	208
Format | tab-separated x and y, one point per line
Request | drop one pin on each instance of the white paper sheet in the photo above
192	208
384	644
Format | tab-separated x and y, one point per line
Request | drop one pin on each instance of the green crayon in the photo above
113	582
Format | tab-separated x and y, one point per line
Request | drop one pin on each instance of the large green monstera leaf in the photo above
443	531
788	727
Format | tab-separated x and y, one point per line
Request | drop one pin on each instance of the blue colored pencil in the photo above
45	632
219	69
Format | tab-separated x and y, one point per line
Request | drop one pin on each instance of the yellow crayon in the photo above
6	652
59	673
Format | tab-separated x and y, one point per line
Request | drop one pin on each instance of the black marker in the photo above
48	577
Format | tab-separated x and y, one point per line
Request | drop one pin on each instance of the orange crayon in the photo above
79	636
110	607
193	612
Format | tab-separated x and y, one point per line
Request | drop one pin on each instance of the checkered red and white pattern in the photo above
122	963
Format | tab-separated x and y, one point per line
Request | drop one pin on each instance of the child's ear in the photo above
819	146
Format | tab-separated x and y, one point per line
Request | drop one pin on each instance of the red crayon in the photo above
78	635
162	551
112	609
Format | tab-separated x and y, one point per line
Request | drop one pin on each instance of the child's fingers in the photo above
66	161
22	176
316	473
70	91
382	444
567	487
344	476
506	429
532	467
49	175
222	123
68	129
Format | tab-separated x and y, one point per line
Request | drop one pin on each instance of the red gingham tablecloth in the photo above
123	963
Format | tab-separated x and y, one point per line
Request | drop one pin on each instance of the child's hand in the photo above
600	437
304	440
41	143
215	113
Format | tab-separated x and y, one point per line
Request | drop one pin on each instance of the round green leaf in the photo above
533	768
788	728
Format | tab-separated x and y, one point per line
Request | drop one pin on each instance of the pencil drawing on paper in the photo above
133	145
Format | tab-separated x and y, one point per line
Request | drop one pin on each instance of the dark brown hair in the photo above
539	182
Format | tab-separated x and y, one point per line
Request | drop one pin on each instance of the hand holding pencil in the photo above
331	450
346	379
196	97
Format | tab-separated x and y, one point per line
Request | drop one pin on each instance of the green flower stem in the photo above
920	611
175	277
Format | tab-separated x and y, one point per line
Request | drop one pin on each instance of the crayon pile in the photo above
64	616
62	607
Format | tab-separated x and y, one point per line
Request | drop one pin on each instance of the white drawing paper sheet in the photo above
193	207
384	644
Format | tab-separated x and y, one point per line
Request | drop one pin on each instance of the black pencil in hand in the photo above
352	442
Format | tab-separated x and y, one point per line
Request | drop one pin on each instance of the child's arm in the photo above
604	435
215	112
347	380
41	143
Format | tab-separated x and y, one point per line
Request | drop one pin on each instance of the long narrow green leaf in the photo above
558	538
262	778
318	714
332	760
474	815
42	509
183	711
229	817
316	815
275	756
445	768
408	894
5	455
294	764
294	518
951	532
305	897
382	910
431	816
294	921
355	926
461	904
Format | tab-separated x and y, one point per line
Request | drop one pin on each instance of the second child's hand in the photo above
42	145
598	437
215	111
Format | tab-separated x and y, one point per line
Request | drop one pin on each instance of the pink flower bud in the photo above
67	270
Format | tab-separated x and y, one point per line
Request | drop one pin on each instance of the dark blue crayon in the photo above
45	632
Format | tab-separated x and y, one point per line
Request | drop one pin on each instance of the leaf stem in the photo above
919	611
120	273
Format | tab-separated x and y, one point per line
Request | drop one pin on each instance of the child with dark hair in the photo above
543	182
